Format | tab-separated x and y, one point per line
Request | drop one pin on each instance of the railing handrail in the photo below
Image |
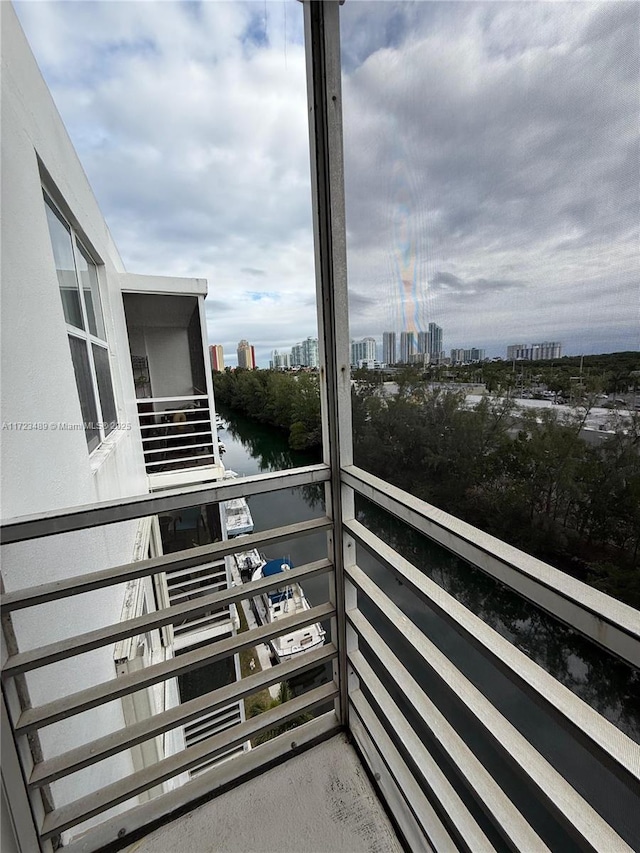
78	584
66	520
179	398
604	620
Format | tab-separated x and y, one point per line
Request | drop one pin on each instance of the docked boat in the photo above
221	446
285	599
238	519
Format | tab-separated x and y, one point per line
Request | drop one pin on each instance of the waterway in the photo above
603	682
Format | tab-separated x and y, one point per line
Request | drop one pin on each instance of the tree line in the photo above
287	401
570	376
528	478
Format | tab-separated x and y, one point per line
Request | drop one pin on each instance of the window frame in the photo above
79	249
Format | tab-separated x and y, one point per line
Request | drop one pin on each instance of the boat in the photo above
220	424
287	598
238	518
221	446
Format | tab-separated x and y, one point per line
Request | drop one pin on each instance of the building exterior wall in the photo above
544	351
246	356
407	346
389	351
216	355
47	466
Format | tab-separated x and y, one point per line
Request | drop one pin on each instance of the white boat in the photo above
238	518
220	424
285	599
221	446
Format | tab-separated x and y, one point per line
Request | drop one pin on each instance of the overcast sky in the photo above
491	153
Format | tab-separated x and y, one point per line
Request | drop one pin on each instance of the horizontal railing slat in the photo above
570	808
617	751
174	449
599	617
108	745
169	500
107	691
378	748
63	649
183	398
505	816
190	557
157	438
178	460
99	801
172	425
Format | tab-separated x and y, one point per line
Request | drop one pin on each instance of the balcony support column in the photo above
324	92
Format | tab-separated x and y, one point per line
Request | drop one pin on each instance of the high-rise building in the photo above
216	355
407	346
389	352
434	341
364	350
310	352
246	355
305	354
544	351
279	360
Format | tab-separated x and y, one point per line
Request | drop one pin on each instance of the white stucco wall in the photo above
169	362
45	468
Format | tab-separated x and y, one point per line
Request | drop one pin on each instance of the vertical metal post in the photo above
324	91
24	810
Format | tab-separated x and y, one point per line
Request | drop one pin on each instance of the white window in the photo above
80	293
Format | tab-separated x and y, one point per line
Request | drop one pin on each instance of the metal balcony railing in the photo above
177	432
421	744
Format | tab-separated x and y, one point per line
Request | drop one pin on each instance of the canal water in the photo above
603	682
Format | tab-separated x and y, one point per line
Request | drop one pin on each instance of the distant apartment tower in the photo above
407	346
544	351
216	355
310	352
389	352
423	343
434	341
280	360
467	356
364	350
246	355
305	354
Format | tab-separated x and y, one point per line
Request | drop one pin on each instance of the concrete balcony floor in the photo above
318	802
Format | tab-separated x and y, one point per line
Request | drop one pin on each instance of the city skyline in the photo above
500	241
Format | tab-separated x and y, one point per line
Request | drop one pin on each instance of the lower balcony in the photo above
422	722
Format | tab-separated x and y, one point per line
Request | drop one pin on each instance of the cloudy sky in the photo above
491	154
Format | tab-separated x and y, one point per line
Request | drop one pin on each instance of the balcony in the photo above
174	397
423	724
454	759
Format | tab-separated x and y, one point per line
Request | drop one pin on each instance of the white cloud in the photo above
488	142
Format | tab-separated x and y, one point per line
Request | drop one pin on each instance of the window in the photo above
80	293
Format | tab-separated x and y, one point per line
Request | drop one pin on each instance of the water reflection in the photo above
605	683
265	448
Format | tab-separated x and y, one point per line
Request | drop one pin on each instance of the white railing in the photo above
177	432
420	743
